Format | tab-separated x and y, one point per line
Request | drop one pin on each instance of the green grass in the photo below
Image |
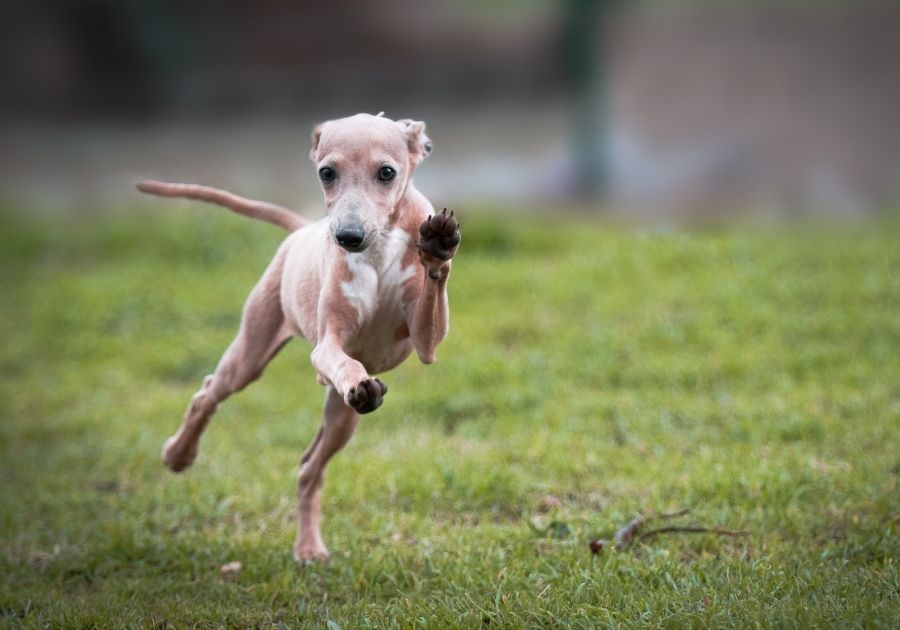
752	377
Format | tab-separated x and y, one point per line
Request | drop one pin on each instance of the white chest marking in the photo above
377	275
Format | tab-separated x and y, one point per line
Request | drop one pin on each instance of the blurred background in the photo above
648	110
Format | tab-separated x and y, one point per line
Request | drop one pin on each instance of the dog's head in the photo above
364	164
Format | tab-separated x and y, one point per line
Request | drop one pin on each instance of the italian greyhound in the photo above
365	286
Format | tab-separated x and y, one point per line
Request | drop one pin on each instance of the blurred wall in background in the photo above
646	109
784	108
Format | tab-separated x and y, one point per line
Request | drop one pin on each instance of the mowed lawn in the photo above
590	373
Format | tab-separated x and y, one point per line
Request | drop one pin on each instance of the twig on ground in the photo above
632	530
625	535
692	530
674	514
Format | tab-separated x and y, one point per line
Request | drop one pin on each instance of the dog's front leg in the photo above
337	325
348	376
428	316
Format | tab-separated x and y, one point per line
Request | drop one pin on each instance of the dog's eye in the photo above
386	174
327	174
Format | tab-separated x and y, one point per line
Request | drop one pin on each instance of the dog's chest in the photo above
376	280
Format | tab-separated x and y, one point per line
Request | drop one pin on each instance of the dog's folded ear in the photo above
316	136
419	143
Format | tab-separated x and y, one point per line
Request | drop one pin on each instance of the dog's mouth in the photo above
353	249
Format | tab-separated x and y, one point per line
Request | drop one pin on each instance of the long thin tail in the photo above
282	217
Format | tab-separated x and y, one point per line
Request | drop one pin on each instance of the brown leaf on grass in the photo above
550	502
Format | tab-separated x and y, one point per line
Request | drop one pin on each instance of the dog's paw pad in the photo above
367	396
439	236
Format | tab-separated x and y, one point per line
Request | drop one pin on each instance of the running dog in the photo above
365	286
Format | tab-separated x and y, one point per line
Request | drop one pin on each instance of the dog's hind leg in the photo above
338	425
260	337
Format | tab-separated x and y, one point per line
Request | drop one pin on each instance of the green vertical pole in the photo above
584	60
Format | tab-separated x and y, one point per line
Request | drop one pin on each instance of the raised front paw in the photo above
367	396
439	238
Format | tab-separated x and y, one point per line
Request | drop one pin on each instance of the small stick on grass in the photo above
674	514
692	530
632	531
625	535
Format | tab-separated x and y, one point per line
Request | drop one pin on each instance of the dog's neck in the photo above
410	211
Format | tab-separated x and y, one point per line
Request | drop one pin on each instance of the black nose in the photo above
350	237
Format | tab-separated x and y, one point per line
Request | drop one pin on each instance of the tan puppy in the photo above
366	285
